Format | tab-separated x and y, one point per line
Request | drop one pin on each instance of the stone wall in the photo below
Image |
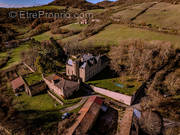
59	101
126	122
114	95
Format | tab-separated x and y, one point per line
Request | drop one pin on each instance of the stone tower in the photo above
76	68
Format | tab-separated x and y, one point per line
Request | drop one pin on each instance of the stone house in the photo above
60	86
85	66
87	116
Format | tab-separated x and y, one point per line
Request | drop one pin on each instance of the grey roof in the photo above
88	60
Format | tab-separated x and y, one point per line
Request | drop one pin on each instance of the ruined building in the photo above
60	86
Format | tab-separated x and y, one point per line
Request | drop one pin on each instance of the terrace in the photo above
124	85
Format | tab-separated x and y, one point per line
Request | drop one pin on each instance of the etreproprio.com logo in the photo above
44	14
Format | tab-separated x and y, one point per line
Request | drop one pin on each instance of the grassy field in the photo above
163	15
46	36
131	11
33	78
15	55
70	38
125	84
115	33
75	27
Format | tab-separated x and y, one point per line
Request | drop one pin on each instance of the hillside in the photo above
140	38
82	4
142	1
106	4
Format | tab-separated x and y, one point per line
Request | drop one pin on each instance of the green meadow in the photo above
115	33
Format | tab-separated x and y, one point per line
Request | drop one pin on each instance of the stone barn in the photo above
60	86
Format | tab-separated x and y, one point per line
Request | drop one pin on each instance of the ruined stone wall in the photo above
53	88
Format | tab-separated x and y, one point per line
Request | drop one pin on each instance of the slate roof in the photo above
66	84
88	60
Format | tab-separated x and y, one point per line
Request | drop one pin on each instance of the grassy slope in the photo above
131	11
75	27
115	33
46	36
163	15
70	38
15	55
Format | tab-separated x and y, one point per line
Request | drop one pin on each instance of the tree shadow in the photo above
107	73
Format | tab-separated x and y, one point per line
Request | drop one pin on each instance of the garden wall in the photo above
114	95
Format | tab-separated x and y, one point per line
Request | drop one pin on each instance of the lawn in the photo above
15	55
46	36
41	102
115	33
124	84
33	78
